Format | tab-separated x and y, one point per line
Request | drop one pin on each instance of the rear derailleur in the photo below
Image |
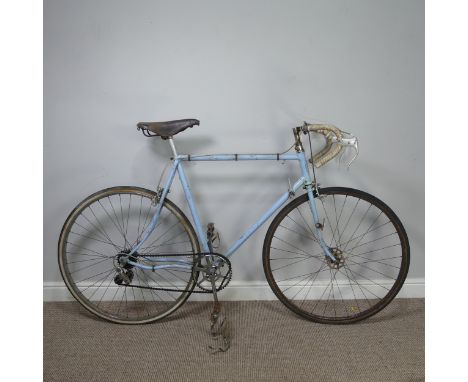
124	273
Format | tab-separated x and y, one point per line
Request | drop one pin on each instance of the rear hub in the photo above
123	259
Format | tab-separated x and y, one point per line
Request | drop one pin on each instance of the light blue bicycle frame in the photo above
304	181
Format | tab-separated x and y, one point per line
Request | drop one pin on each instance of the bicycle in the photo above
332	255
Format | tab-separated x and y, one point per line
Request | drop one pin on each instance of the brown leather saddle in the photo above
166	129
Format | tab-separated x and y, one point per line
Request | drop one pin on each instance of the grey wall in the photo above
250	71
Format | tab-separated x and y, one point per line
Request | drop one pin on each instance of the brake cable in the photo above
313	165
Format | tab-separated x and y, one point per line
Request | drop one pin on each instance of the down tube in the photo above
283	199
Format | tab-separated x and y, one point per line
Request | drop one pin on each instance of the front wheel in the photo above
369	244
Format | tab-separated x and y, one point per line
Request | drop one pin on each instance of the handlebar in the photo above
336	139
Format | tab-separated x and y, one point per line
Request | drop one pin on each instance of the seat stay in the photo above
160	201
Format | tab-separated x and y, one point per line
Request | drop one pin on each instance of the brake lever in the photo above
350	141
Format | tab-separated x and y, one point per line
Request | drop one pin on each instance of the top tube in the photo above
237	157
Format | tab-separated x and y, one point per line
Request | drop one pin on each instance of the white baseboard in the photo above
236	291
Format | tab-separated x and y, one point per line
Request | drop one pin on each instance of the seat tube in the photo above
313	206
189	197
193	208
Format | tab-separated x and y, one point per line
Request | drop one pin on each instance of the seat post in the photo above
171	141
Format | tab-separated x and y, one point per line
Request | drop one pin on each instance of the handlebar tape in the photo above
332	135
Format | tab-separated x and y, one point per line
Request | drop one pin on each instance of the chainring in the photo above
217	266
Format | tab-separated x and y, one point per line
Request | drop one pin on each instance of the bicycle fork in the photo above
312	191
318	227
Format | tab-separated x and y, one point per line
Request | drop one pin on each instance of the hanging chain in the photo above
224	281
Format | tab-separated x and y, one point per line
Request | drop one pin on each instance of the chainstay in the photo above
170	289
223	285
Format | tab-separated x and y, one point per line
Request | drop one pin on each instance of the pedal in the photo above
219	330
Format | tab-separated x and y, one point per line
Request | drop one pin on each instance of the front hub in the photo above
339	256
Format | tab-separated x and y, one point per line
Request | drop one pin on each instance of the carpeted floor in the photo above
269	343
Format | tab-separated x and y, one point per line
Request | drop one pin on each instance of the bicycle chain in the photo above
225	281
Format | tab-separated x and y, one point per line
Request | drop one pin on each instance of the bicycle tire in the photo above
94	231
281	286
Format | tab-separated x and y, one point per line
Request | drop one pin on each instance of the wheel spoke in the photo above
339	219
380	249
284	241
295	262
349	218
104	278
329	222
372	241
91	238
115	223
315	277
159	237
101	228
377	260
305	274
364	277
297	233
307	224
365	233
320	298
371	269
285	250
360	222
89	265
104	237
88	249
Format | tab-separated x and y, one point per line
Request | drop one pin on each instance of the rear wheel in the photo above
96	239
366	238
